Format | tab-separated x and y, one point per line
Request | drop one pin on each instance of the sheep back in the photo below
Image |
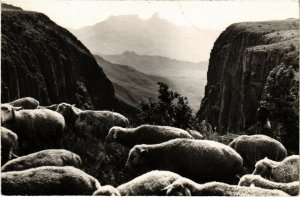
48	180
9	141
291	188
256	147
145	134
37	129
98	123
150	183
201	160
217	189
26	103
51	157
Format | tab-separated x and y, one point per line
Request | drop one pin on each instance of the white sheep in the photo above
107	190
51	157
26	103
148	184
48	180
9	142
89	123
187	187
285	171
248	180
37	129
145	134
253	148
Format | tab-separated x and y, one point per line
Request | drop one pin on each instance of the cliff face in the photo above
43	60
240	62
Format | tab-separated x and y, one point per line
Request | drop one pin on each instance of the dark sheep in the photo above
9	142
48	180
51	157
285	171
186	187
89	123
145	134
37	129
201	160
253	148
248	180
148	184
25	103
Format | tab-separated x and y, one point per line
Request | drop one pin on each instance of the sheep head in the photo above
8	112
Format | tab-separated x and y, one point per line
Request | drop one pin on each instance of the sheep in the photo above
9	142
186	187
145	134
88	123
150	183
107	190
201	160
51	157
25	103
54	107
256	147
291	188
37	129
195	134
285	171
48	180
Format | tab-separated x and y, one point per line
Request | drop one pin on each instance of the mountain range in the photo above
131	85
187	78
154	36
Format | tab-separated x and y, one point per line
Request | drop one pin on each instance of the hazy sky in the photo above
203	14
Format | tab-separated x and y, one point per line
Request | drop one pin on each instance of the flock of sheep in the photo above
165	160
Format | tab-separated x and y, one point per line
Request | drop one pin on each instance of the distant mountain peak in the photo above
127	53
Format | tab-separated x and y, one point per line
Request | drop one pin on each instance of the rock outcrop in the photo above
43	60
240	62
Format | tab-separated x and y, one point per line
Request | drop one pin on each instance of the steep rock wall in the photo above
43	60
240	62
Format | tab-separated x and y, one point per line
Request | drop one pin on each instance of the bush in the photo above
282	96
170	109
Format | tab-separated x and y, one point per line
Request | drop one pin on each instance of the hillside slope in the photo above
187	78
154	36
240	62
131	85
43	60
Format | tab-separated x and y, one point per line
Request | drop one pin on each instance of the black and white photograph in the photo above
150	97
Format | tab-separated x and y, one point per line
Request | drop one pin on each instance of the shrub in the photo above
282	96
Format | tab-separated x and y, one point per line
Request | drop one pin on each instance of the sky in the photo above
75	14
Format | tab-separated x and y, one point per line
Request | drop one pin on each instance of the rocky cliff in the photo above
240	62
43	60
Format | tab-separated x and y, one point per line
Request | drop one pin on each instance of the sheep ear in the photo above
73	105
144	151
252	185
17	108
